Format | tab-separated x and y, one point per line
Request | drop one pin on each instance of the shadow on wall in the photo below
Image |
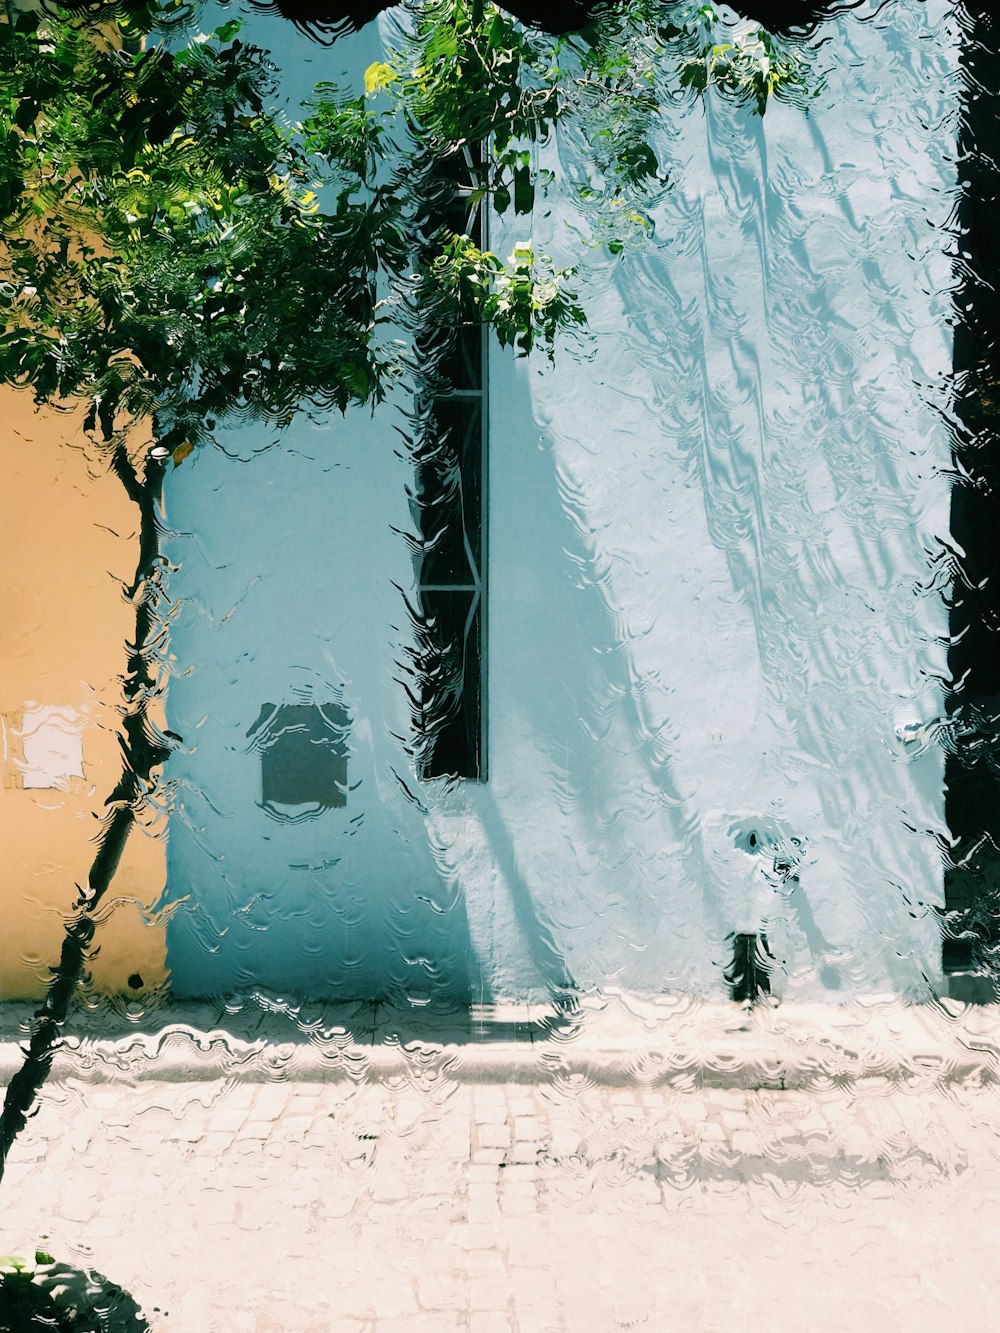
299	862
579	780
754	495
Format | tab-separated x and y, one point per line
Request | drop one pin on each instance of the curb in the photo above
683	1046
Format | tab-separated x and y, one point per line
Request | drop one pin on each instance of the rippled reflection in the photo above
582	826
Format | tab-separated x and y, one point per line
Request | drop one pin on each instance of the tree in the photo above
150	194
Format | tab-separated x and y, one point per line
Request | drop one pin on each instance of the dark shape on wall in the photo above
303	754
749	973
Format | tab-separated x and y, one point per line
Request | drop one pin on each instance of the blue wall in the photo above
715	616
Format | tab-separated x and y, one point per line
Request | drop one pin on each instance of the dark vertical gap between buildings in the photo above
972	766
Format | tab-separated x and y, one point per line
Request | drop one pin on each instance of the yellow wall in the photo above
67	541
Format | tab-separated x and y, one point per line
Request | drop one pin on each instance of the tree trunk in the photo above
142	751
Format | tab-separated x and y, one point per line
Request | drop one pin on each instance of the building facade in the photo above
682	625
624	671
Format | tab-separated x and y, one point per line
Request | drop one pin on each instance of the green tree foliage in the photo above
470	73
150	195
151	199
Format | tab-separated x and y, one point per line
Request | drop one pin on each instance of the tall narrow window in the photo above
449	510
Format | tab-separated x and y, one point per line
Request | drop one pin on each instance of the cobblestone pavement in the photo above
401	1206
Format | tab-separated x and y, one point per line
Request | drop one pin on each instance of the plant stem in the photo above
142	752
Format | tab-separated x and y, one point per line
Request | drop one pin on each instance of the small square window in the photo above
303	755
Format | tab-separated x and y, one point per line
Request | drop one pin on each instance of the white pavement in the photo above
640	1168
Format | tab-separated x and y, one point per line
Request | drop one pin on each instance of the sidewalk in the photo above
660	1167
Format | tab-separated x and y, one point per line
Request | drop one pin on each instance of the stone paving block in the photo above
212	1145
25	1150
245	1157
746	1143
443	1291
475	1236
487	1264
79	1137
480	1173
530	1286
295	1125
528	1184
519	1206
531	1321
217	1210
255	1219
528	1243
377	1296
76	1205
288	1152
239	1096
255	1129
726	1098
735	1120
389	1187
481	1321
813	1124
340	1202
491	1094
521	1173
520	1101
529	1128
524	1154
493	1136
564	1142
484	1191
691	1111
488	1156
227	1119
184	1131
437	1322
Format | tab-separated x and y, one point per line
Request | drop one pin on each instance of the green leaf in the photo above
378	76
228	31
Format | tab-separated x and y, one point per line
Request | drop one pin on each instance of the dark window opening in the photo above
303	755
448	709
448	504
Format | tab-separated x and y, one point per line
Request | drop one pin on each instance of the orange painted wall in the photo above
67	541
